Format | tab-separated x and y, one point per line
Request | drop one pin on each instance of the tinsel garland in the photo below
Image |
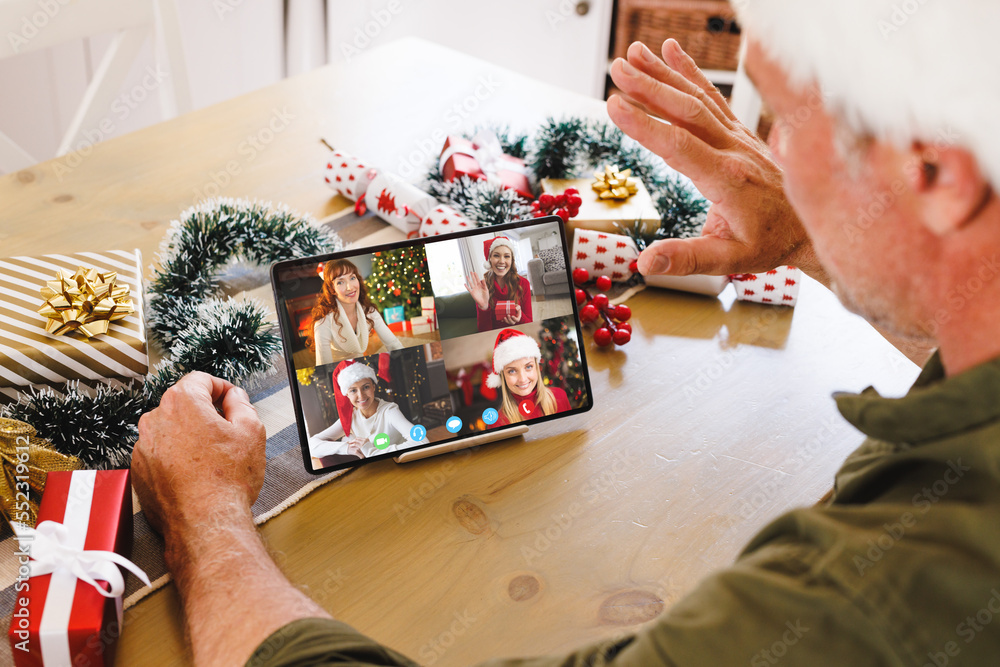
574	148
199	329
195	325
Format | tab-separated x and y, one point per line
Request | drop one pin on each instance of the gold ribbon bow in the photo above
614	184
87	301
26	459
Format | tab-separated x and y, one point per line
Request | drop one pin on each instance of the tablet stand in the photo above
474	441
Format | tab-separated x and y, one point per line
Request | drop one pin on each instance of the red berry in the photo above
571	191
546	200
603	283
633	266
601	301
625	326
603	336
573	211
574	200
588	313
622	313
561	200
580	275
581	296
564	214
622	336
534	206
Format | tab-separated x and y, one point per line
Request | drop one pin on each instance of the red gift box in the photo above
58	618
399	327
505	309
482	159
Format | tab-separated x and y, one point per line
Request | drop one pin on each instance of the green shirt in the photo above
901	568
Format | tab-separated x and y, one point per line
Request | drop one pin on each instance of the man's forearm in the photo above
234	596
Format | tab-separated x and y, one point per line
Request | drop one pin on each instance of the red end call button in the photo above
527	406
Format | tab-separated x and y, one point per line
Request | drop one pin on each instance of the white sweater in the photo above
348	343
388	418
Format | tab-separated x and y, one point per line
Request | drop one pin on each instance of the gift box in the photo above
394	314
84	528
427	303
504	309
431	316
778	286
421	325
399	327
482	158
602	214
604	254
33	354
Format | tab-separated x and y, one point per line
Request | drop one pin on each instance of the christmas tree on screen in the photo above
399	278
561	361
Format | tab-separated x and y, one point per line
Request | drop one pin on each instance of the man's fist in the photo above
202	447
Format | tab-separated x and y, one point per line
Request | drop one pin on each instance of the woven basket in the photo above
705	29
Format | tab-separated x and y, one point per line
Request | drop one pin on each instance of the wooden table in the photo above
714	419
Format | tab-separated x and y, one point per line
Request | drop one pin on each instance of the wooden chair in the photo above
31	25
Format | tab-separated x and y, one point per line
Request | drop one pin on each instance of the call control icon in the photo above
490	416
418	432
454	424
381	441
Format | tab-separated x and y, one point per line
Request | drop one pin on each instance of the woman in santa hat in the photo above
345	318
501	286
363	415
517	372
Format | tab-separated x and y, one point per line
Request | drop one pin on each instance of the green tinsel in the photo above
196	326
573	148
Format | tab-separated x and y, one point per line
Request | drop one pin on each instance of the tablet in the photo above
430	341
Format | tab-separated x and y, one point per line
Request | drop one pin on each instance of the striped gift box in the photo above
29	356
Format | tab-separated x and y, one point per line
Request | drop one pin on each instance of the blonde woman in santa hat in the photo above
363	415
501	283
344	318
517	371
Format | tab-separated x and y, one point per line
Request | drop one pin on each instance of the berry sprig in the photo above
566	205
614	327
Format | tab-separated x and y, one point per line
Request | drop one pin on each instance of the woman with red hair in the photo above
345	319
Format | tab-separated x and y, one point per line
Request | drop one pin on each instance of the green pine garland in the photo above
196	326
573	148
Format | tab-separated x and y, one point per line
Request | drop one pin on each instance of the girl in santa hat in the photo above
344	318
517	372
501	284
363	415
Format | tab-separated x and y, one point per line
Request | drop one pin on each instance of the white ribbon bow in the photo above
50	552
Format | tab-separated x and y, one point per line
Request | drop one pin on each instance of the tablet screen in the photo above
419	343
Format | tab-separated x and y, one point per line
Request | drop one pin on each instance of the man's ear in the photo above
949	186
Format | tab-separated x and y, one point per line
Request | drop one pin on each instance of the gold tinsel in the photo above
614	184
26	460
87	301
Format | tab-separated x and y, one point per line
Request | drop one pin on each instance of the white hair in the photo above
899	70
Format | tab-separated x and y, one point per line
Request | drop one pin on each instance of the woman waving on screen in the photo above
517	372
501	286
345	318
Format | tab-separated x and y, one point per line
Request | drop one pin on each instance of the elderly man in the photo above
885	190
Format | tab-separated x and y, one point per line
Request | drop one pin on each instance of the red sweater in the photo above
562	405
486	319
